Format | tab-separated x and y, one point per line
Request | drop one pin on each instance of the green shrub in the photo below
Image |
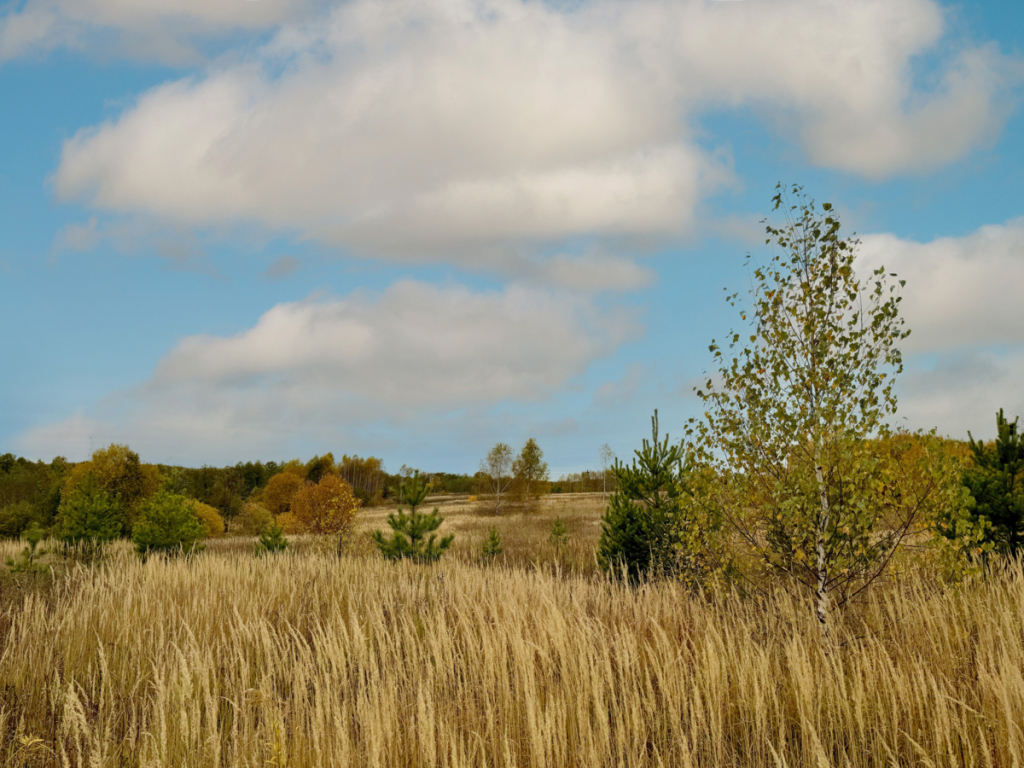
168	525
17	517
89	517
255	519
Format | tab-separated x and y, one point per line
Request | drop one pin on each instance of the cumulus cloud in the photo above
965	354
324	365
443	129
961	292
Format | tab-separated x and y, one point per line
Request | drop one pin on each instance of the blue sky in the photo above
245	229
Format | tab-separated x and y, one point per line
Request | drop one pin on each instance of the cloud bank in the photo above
466	130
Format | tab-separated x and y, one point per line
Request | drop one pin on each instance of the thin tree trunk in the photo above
822	606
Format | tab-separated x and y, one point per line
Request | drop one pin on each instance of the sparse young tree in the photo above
559	535
271	541
607	457
498	467
793	419
529	468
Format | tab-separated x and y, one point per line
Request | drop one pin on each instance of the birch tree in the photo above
498	467
796	421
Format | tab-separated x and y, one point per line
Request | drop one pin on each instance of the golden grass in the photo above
308	660
524	535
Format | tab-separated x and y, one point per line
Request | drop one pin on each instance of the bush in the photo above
255	519
210	518
168	525
15	518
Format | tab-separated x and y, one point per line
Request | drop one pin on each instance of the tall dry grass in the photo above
307	660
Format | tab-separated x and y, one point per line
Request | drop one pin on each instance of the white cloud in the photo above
321	367
444	129
961	292
965	354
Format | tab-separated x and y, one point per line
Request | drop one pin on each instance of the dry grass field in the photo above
305	659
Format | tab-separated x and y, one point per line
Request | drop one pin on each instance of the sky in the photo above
239	230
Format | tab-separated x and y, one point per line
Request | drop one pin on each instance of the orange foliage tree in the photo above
327	507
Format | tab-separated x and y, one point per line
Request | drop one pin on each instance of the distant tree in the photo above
210	518
118	471
498	468
607	457
366	476
409	537
529	468
254	519
319	466
277	496
89	518
17	517
996	484
327	508
167	524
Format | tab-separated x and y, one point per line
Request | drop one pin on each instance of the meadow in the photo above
535	659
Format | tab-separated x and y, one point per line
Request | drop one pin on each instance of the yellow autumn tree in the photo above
327	508
277	496
210	518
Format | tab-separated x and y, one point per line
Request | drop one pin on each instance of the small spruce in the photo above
559	534
272	540
492	546
409	537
